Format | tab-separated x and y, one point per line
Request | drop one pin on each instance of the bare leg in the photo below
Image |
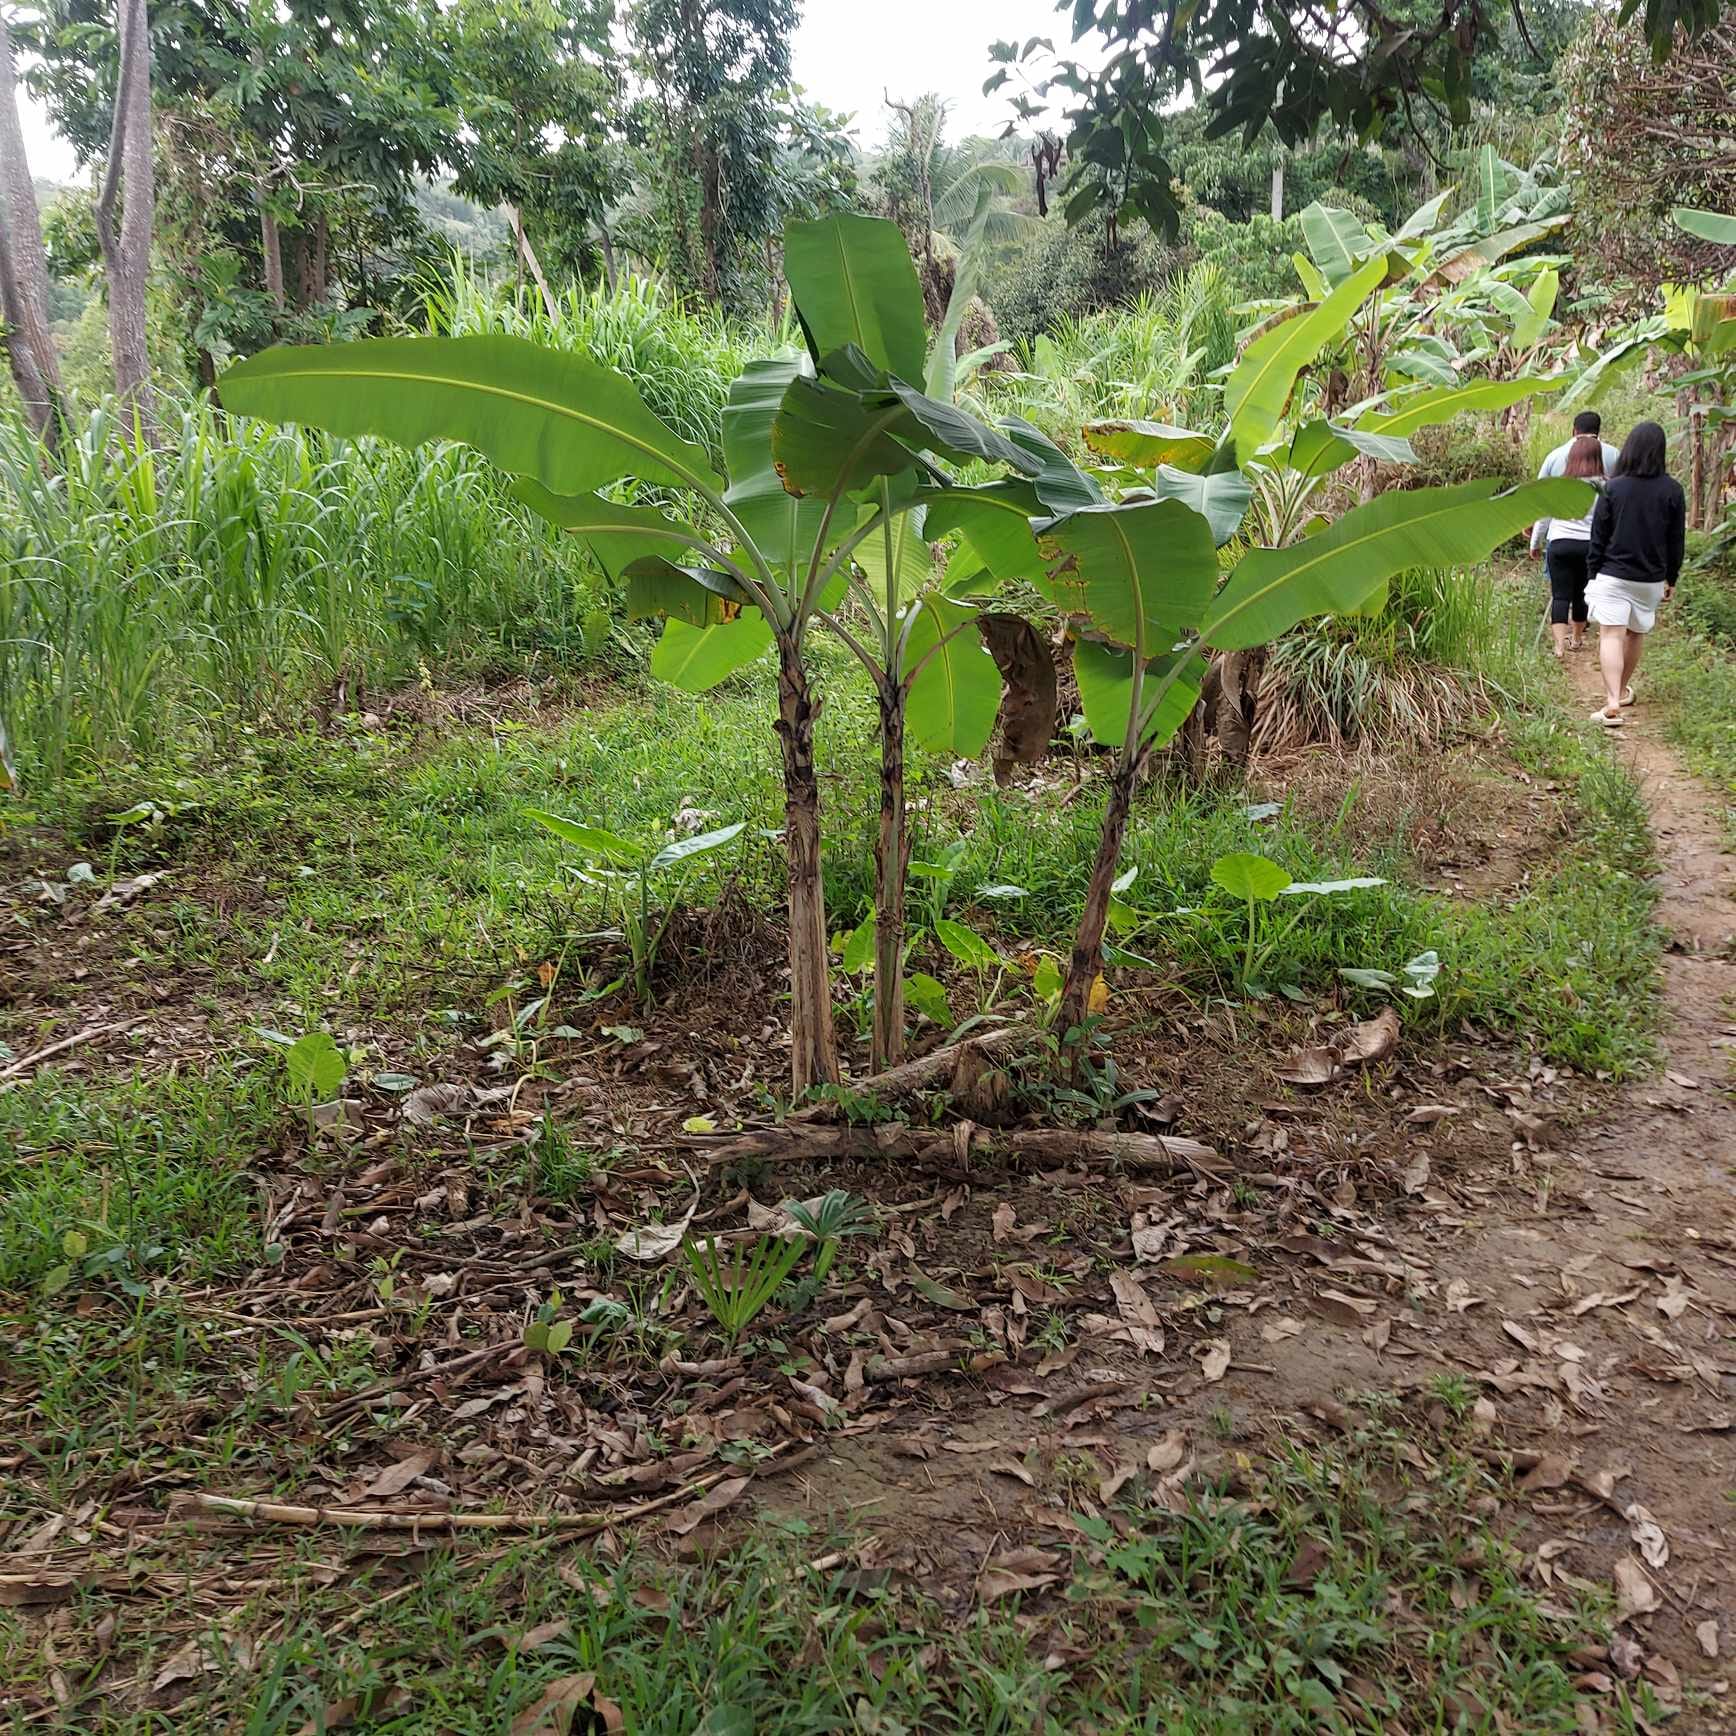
1636	643
1612	658
1559	629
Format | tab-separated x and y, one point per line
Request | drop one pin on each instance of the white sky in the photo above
848	55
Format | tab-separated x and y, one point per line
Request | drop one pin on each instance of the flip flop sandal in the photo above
1603	719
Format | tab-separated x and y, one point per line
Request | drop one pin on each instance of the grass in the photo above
1355	1585
1688	669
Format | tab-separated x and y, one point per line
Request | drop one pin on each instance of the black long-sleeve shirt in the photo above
1637	530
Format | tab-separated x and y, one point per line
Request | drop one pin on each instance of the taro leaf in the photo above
1246	876
928	997
852	281
697	658
316	1066
954	685
859	947
1149	444
554	415
685	849
968	947
593	840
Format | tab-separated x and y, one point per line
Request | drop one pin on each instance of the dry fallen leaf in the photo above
1276	1331
556	1710
1005	1467
1706	1632
656	1241
1427	1114
1459	1296
1550	1472
712	1502
35	1590
1003	1220
1137	1312
1214	1357
395	1479
1673	1304
1372	1040
1110	1484
1416	1175
1167	1453
1015	1570
1634	1592
1648	1535
1310	1066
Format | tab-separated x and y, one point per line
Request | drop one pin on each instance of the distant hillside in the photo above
465	225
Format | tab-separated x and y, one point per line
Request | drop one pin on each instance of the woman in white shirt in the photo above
1566	542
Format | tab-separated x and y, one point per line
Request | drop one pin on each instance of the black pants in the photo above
1566	563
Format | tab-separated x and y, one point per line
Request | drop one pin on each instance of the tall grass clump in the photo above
154	599
1442	648
682	359
1155	360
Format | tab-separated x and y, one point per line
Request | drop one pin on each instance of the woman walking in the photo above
1565	544
1634	556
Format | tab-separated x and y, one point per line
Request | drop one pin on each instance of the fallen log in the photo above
966	1148
926	1072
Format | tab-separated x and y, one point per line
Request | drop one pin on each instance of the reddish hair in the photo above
1585	456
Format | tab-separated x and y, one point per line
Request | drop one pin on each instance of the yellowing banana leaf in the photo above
1263	379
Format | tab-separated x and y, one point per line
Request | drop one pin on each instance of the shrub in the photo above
1061	274
1462	451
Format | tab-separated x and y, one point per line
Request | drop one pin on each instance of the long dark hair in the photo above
1585	456
1642	453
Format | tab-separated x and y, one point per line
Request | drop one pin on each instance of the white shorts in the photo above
1613	602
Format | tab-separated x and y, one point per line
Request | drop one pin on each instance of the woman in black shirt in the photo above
1632	560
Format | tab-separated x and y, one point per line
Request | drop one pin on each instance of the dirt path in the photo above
1588	1297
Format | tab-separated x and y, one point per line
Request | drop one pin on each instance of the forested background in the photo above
319	169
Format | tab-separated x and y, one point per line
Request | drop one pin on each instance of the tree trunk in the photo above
610	275
891	865
127	256
710	217
1278	191
532	264
24	266
813	1044
1087	959
271	246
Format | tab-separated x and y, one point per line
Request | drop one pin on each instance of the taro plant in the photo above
824	456
625	871
314	1068
1257	883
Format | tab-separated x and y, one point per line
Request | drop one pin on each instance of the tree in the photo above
536	88
716	133
1373	67
23	265
129	175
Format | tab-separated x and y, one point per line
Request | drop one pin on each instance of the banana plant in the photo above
855	290
829	461
1139	581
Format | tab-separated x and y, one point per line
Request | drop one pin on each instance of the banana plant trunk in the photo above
1087	960
813	1042
891	867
